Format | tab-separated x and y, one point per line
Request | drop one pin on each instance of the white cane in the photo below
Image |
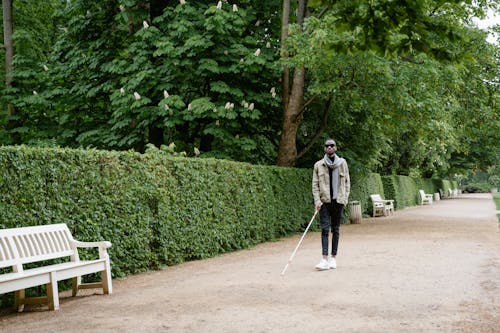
300	241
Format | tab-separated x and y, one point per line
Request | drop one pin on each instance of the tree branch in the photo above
306	104
411	60
319	132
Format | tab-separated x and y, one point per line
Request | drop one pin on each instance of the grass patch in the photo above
496	198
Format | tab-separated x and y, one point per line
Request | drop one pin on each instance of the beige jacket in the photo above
321	183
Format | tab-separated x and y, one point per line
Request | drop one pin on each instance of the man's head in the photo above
330	147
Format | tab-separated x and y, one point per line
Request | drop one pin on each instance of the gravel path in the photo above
424	269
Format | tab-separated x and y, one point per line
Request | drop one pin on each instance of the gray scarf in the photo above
334	180
337	161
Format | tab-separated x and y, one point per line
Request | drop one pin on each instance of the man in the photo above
330	187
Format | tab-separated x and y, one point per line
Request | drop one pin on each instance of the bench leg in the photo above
19	297
107	287
77	281
53	292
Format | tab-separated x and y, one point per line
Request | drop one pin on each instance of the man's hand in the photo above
318	206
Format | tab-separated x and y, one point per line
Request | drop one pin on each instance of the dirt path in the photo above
424	269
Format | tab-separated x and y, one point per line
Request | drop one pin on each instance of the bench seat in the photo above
41	275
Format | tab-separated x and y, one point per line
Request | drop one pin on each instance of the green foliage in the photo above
496	199
210	85
420	90
481	181
156	209
404	79
35	31
120	78
404	121
477	188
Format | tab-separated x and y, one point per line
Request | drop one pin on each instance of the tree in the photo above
479	98
31	42
292	91
397	82
197	75
383	28
9	46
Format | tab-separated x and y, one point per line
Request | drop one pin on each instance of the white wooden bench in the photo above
425	198
381	206
20	246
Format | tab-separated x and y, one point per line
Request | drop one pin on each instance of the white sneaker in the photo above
323	265
332	263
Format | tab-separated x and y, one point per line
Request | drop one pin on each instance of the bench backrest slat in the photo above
6	250
32	244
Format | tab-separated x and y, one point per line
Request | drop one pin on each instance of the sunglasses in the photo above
329	145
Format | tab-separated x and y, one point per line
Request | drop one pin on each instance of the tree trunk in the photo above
8	45
292	116
293	98
285	76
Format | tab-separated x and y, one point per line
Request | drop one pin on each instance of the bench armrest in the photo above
389	201
103	254
102	244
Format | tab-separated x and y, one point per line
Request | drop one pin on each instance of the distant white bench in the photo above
20	246
425	198
381	206
451	193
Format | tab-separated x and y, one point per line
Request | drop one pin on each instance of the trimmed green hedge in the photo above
404	189
156	210
161	210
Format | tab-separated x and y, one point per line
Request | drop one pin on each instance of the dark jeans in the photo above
330	215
